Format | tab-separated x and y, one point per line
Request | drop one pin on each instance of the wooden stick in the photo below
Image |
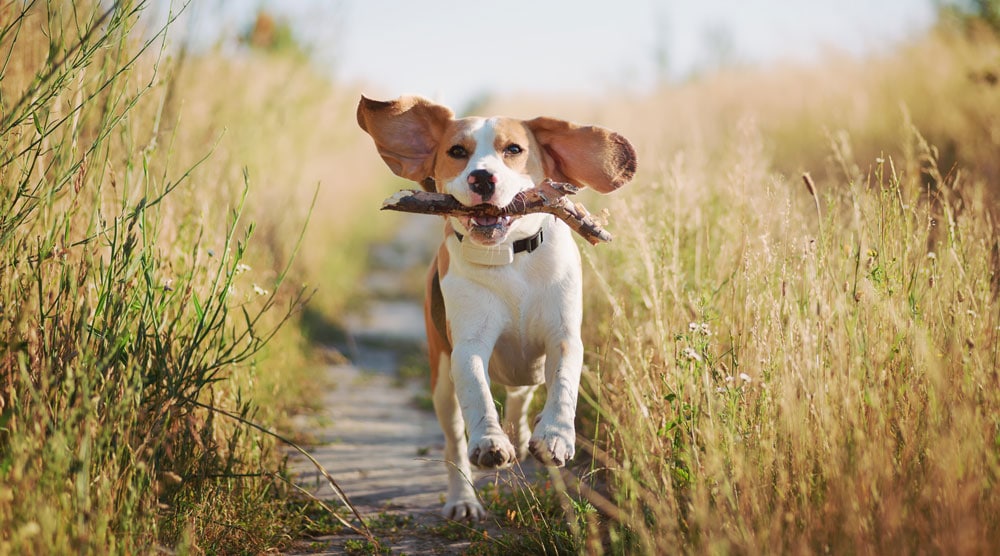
548	197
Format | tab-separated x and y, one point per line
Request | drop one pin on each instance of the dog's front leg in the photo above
461	502
554	439
488	445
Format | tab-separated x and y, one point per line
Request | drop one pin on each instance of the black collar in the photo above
527	244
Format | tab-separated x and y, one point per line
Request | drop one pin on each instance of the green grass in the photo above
153	206
122	319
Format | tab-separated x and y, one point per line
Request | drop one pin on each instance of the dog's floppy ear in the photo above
584	155
406	132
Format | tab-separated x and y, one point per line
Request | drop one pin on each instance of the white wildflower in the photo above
241	268
690	353
744	377
259	290
700	328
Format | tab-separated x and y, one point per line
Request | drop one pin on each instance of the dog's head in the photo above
491	160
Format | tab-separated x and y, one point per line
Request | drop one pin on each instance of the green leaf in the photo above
197	307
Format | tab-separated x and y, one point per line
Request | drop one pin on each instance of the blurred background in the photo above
457	53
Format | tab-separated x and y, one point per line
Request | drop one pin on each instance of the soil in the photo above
378	436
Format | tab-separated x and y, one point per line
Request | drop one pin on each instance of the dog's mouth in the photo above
487	230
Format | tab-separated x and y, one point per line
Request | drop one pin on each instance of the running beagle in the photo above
503	300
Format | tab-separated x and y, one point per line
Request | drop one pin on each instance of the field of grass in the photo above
152	207
773	367
777	376
778	367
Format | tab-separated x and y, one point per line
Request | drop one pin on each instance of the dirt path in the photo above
379	437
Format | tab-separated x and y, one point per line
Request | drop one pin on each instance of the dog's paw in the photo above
552	444
464	510
492	451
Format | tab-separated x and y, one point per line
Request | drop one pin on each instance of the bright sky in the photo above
454	51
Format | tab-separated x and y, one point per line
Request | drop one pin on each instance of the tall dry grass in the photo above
291	131
769	380
294	131
784	369
776	368
146	279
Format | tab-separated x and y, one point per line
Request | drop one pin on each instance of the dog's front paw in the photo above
553	444
464	509
492	451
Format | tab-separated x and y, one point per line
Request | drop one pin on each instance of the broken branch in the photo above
548	197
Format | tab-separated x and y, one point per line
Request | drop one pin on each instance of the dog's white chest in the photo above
523	305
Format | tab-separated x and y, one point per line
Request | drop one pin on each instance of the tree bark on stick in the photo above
548	197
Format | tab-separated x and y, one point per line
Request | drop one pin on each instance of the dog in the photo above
503	295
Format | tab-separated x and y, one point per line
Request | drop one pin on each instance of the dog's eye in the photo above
458	151
513	149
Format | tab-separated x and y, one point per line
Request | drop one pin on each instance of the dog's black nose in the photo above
482	183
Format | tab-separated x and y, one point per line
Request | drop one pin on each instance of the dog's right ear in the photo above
406	132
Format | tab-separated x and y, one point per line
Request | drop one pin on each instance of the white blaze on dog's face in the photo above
488	161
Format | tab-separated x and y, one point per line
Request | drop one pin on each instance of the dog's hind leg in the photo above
461	502
515	419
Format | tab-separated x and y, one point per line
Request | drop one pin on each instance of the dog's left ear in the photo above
590	156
